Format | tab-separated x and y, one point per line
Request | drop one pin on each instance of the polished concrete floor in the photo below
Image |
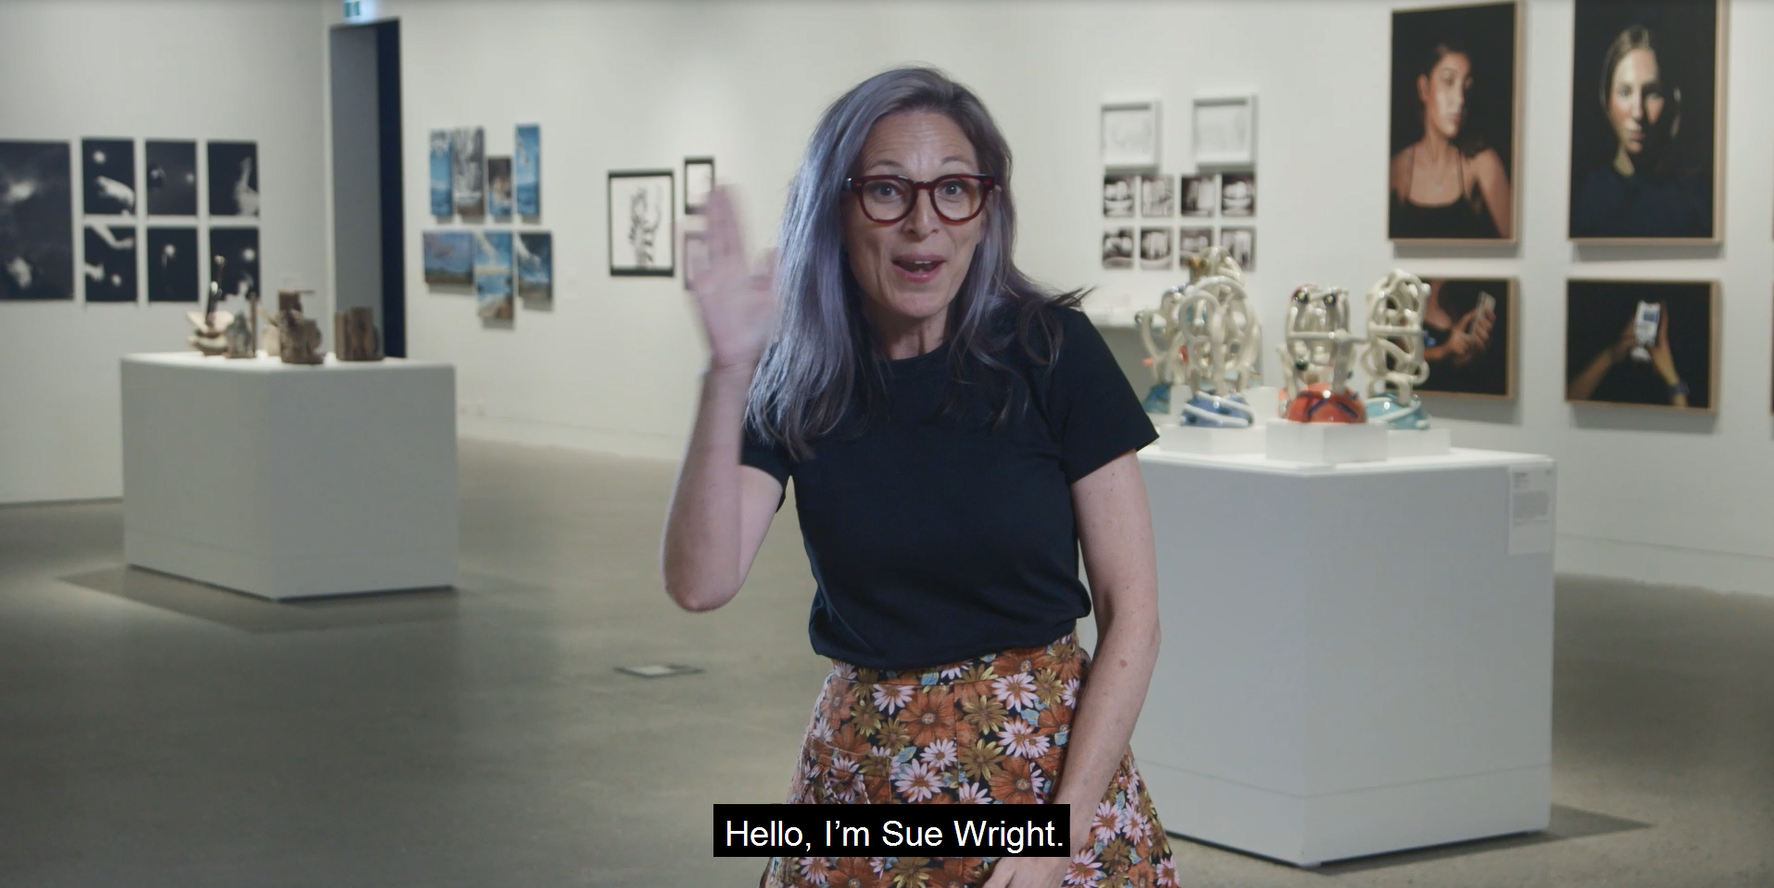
155	732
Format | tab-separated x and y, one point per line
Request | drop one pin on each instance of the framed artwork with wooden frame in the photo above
1647	122
1455	143
1642	343
1470	336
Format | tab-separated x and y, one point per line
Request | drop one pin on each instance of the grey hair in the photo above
823	348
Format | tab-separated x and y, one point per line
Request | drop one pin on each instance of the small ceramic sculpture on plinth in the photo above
298	339
1394	358
1161	350
355	337
210	325
1317	356
1218	339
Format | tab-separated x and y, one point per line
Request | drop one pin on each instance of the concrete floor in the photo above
155	732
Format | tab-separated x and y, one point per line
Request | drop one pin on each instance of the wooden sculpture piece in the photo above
355	337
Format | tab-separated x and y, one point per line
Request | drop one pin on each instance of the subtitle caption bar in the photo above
887	830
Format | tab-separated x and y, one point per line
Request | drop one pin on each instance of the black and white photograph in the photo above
172	265
1158	195
643	230
1155	249
1120	195
1647	343
234	261
233	178
1242	244
468	170
36	221
1199	195
1238	194
1118	248
108	177
171	177
1454	123
699	180
1647	77
1469	336
109	266
1193	241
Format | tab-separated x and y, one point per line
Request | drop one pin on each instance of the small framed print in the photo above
1238	194
1118	248
1224	131
1155	249
1130	135
1242	244
1120	195
642	223
1643	343
1199	194
1157	195
699	180
1193	241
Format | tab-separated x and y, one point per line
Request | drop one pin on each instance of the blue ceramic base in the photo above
1157	399
1385	410
1212	411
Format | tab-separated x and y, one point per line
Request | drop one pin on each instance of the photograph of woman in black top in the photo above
1644	119
1663	357
956	434
1453	123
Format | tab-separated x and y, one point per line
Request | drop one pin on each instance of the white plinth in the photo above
1202	439
1353	661
1325	443
1418	442
287	481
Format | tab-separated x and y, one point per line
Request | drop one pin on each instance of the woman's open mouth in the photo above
919	270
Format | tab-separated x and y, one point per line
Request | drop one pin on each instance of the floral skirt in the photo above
990	730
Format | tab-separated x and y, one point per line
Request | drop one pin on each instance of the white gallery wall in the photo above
196	69
613	365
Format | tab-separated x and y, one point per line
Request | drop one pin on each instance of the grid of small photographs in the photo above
141	219
1153	221
497	265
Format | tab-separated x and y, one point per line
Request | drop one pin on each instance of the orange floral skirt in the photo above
990	730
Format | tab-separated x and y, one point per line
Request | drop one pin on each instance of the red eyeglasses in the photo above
956	198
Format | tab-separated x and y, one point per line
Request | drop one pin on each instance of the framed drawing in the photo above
1223	131
1456	114
1130	135
699	180
1469	337
642	223
1646	343
1647	105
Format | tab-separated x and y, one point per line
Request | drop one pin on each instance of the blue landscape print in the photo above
527	169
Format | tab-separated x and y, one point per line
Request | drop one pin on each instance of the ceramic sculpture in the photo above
1157	329
210	325
298	339
355	337
1394	358
1217	342
1317	356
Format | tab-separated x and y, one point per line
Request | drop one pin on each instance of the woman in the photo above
954	433
1448	184
1641	191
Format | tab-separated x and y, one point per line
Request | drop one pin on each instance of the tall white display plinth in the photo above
1356	658
287	481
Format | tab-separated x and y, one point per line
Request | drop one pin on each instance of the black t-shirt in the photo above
937	538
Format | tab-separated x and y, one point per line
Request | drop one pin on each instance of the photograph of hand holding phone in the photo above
1641	342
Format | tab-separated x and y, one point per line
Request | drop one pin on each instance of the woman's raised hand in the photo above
735	300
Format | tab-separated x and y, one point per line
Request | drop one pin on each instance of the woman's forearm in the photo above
701	550
1108	706
1585	383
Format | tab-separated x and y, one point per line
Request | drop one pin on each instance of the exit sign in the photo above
360	10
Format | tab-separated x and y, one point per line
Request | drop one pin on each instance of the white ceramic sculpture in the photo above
1158	330
1217	343
1318	357
1394	358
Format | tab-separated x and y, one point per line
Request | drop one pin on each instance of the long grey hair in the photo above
823	346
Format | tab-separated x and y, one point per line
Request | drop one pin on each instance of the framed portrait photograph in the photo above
1155	249
1223	131
1469	337
1242	244
1643	343
1238	194
1199	195
643	233
1647	101
1120	196
1118	248
1455	124
699	180
1130	135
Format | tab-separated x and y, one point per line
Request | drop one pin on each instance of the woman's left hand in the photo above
1662	359
1028	872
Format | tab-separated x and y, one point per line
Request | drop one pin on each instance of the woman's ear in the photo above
1423	91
